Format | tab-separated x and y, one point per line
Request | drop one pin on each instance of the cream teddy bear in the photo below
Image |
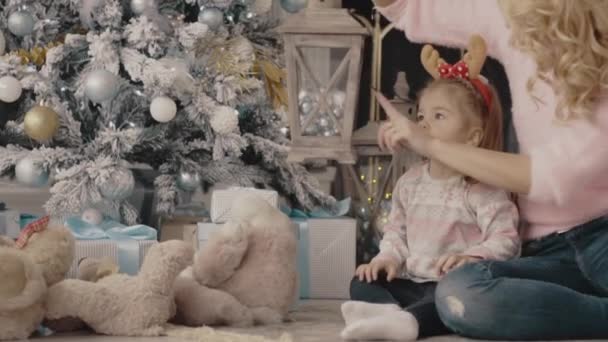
119	304
246	273
42	261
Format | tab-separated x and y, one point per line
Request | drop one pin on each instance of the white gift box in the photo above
10	224
222	200
205	230
109	248
326	257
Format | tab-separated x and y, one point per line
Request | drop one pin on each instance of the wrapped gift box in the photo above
129	255
9	222
326	257
180	228
222	200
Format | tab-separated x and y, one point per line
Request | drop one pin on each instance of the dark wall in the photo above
399	54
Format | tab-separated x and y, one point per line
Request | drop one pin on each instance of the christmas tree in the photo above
90	88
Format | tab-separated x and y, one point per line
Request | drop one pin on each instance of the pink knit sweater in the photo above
431	218
569	162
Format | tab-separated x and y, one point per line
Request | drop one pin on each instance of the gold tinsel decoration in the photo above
274	80
220	56
37	55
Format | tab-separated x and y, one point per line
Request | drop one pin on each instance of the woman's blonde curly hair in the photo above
569	41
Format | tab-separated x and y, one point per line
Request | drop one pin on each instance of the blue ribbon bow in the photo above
126	237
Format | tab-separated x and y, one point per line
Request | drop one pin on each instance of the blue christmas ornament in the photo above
293	6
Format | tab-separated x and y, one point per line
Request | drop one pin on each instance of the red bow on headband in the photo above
458	70
461	70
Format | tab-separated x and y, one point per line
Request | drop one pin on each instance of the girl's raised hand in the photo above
400	132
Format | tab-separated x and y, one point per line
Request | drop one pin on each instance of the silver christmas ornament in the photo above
101	85
117	185
323	122
21	23
92	216
30	173
304	95
138	7
293	6
338	98
212	17
306	107
338	112
188	181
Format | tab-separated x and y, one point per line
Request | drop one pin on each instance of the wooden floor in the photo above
314	321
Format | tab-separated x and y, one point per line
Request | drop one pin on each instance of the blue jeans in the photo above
558	289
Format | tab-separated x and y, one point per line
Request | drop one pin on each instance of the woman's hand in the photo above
400	132
449	262
369	272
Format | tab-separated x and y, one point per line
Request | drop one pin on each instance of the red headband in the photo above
461	70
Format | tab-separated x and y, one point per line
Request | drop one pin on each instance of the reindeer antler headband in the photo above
469	68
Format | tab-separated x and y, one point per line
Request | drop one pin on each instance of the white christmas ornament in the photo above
92	216
21	23
225	120
212	17
138	7
30	173
2	44
10	89
163	109
101	85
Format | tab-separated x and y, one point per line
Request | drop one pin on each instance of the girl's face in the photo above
441	115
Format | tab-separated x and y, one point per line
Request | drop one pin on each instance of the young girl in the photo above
555	54
440	220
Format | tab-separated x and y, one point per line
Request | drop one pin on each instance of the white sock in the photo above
400	326
353	311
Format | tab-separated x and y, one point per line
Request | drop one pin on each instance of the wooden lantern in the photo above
323	55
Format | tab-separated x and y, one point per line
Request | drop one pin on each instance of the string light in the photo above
369	199
388	195
379	168
362	177
374	181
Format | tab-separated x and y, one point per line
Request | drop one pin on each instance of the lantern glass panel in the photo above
322	75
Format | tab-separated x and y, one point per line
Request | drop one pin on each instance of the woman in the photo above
555	53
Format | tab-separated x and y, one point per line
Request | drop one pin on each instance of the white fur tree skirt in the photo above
315	321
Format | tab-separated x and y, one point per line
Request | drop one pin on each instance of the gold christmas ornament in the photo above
41	123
